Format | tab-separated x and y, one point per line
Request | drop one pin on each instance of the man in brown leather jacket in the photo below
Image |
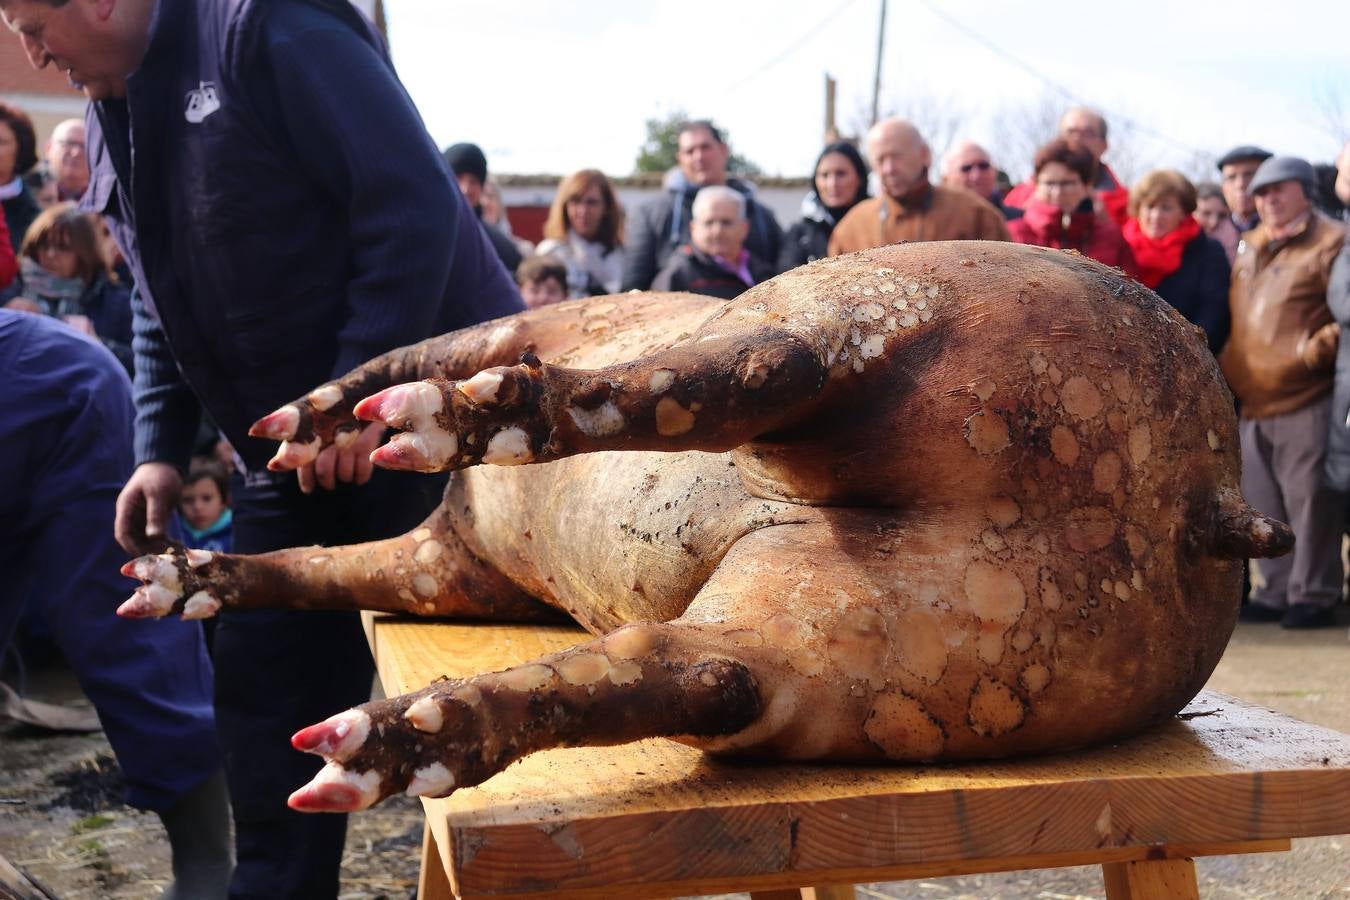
1279	361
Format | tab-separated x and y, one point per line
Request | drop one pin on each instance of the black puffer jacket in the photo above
1337	465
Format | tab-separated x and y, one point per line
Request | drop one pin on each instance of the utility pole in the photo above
831	129
876	78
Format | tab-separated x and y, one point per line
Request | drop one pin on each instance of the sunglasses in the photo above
982	165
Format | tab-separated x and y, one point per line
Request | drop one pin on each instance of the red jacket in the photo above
9	266
1111	197
1090	233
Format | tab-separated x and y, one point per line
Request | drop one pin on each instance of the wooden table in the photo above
657	819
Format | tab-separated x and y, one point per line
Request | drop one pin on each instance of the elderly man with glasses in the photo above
968	166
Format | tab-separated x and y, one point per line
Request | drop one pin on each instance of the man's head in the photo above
701	153
542	280
1236	168
1084	129
899	155
97	43
1283	188
969	167
719	226
470	167
66	158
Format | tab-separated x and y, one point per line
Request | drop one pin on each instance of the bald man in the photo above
909	208
66	159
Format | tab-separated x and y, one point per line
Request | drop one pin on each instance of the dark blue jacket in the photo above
1198	289
284	211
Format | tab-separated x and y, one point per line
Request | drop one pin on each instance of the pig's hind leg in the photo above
713	393
428	572
640	681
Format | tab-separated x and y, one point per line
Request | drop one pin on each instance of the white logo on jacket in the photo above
201	102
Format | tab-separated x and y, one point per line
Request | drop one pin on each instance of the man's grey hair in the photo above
711	194
1087	111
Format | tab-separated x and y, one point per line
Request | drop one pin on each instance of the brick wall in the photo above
44	94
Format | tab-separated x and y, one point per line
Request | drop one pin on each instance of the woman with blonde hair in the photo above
585	231
1174	256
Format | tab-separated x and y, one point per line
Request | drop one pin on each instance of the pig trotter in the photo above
320	418
173	581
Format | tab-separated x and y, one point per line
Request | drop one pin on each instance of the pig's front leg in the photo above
711	395
640	681
428	572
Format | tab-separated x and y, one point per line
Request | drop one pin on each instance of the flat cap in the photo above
1283	168
1246	151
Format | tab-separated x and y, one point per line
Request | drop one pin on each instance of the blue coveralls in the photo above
65	452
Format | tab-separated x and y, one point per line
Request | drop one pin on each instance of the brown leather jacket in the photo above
936	214
1281	353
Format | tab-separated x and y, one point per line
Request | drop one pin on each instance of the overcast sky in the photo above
553	87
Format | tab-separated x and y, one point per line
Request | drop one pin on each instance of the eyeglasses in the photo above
1061	185
983	165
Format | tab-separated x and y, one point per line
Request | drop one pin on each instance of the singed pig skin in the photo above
931	501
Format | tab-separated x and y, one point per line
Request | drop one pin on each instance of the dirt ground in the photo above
62	822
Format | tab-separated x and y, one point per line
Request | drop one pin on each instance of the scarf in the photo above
56	295
1158	258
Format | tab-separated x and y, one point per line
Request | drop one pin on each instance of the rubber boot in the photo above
199	836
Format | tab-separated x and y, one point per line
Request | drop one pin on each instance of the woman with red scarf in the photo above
1060	213
1174	256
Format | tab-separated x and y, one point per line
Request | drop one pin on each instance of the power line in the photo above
791	48
1047	80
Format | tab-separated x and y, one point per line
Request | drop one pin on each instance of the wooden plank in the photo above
788	882
1171	879
16	884
432	881
659	813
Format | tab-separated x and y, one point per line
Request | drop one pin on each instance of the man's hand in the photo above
350	463
144	506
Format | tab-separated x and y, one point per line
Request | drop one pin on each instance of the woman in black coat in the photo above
1174	256
839	182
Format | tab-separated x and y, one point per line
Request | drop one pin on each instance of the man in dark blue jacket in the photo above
286	217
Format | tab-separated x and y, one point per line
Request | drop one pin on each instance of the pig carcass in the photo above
926	502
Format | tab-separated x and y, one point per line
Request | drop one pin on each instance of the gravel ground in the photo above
69	830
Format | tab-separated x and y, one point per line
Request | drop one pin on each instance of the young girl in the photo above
64	273
203	519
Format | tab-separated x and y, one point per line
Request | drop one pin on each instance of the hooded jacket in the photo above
662	224
284	212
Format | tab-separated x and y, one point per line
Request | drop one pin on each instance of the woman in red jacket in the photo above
1060	212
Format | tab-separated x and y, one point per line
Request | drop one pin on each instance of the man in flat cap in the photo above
1236	169
1279	361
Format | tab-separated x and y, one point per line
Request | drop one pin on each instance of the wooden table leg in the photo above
432	882
830	892
1151	879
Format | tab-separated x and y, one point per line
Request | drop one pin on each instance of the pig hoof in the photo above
335	789
335	738
291	455
161	590
424	445
281	425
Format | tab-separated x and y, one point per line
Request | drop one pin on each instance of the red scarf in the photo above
1156	259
